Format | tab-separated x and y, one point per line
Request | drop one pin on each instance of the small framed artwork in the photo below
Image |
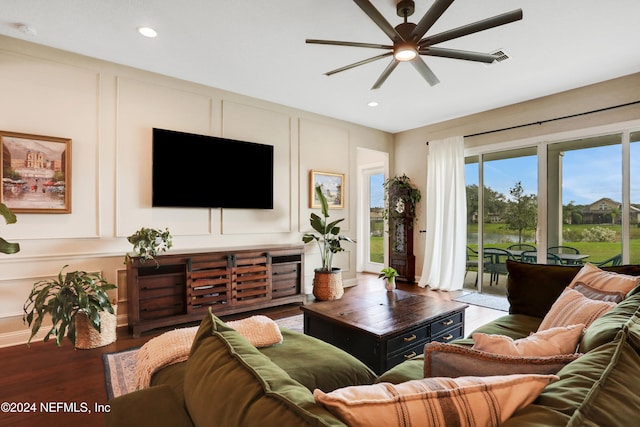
36	173
332	185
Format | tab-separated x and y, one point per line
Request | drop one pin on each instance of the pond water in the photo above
489	238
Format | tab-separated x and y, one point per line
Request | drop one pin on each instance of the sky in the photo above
377	191
587	175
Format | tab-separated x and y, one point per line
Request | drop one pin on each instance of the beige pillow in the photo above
451	360
465	401
599	294
572	308
260	331
550	342
606	280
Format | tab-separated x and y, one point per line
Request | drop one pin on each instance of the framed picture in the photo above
36	173
332	187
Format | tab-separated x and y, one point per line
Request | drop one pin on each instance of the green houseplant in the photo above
389	274
10	218
149	242
64	298
327	283
401	197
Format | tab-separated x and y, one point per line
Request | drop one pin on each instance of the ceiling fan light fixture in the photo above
405	52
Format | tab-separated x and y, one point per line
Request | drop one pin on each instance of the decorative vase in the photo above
327	285
390	283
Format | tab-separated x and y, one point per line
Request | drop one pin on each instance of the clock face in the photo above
400	206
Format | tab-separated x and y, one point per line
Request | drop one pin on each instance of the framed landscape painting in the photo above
36	173
332	185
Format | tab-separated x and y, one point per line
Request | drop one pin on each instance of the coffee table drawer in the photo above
407	340
409	353
440	325
450	335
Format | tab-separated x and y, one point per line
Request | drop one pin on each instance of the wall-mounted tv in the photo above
200	171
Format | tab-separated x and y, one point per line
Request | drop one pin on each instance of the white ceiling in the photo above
257	48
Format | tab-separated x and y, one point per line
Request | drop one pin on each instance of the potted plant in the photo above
327	281
401	197
148	243
389	274
75	301
10	218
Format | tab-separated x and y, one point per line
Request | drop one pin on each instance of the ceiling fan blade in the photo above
425	71
379	20
387	71
485	24
355	64
352	44
459	54
433	14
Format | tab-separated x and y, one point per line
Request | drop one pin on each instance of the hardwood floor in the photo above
61	386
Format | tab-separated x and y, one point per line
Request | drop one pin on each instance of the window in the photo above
376	221
371	235
585	198
588	199
508	212
634	197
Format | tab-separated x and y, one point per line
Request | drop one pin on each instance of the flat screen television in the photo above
199	171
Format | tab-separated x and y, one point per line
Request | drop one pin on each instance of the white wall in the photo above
108	111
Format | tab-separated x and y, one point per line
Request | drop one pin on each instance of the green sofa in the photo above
600	388
228	382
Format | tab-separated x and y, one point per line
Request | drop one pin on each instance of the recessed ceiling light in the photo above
147	31
373	104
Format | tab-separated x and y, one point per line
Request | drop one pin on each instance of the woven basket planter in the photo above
327	285
87	337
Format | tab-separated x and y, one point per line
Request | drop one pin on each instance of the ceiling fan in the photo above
409	41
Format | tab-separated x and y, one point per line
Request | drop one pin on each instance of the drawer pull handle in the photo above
448	322
411	338
410	355
447	337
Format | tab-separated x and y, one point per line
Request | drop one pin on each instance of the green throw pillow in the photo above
228	381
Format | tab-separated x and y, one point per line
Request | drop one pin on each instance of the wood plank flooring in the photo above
60	386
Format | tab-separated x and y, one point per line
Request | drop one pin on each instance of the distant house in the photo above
608	211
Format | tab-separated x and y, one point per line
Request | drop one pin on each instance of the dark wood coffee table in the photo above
383	329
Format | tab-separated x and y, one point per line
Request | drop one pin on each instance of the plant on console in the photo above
149	242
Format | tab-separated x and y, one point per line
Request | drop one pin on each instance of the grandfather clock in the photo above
401	199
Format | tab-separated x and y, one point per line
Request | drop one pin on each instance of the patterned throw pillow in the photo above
572	308
549	342
599	294
451	360
465	401
605	280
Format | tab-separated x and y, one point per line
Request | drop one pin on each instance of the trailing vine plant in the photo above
149	242
400	197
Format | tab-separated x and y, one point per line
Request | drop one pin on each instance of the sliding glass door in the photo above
586	196
585	201
502	218
634	197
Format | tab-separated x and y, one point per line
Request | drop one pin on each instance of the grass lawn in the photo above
598	251
377	249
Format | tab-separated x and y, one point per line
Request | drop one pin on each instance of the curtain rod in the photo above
553	120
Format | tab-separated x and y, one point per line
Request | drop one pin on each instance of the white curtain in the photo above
446	210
